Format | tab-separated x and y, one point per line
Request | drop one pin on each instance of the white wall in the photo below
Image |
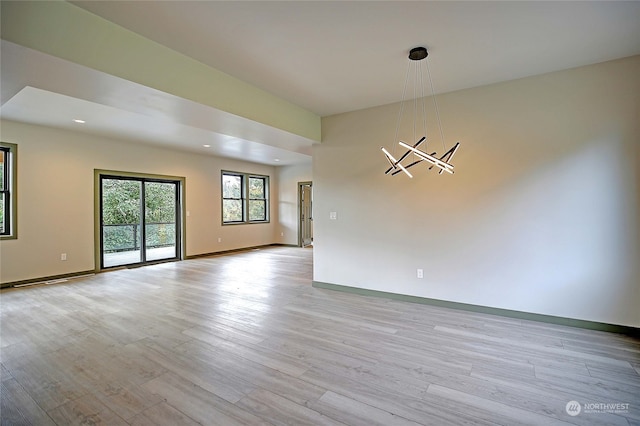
541	216
56	193
288	209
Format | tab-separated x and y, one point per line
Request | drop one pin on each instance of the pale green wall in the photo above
69	32
56	193
541	216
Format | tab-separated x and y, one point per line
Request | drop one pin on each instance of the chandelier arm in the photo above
394	162
403	156
390	159
447	156
430	158
426	156
393	166
406	167
450	154
409	152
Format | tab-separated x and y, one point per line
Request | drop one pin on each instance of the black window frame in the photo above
241	198
7	191
245	198
262	200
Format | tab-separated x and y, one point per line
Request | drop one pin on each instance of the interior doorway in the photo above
140	220
305	204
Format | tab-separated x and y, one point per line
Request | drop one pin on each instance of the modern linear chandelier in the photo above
413	154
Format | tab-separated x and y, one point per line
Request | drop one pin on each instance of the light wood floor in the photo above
245	339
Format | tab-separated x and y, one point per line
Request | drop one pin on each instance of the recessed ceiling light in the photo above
276	159
207	146
77	120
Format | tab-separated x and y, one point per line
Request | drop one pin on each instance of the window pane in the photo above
231	186
256	188
121	218
232	210
257	210
160	216
121	201
160	202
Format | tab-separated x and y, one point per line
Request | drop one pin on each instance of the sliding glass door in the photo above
140	220
160	212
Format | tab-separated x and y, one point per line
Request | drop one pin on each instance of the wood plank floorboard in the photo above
244	339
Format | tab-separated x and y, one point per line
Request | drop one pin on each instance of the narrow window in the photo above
257	199
232	203
7	190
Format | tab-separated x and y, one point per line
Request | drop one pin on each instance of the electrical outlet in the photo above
63	256
282	234
219	239
420	273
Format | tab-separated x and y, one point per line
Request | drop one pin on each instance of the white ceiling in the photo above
335	56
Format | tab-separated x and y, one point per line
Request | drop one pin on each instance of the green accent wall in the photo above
69	32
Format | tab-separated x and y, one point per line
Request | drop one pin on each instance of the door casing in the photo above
305	214
97	210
